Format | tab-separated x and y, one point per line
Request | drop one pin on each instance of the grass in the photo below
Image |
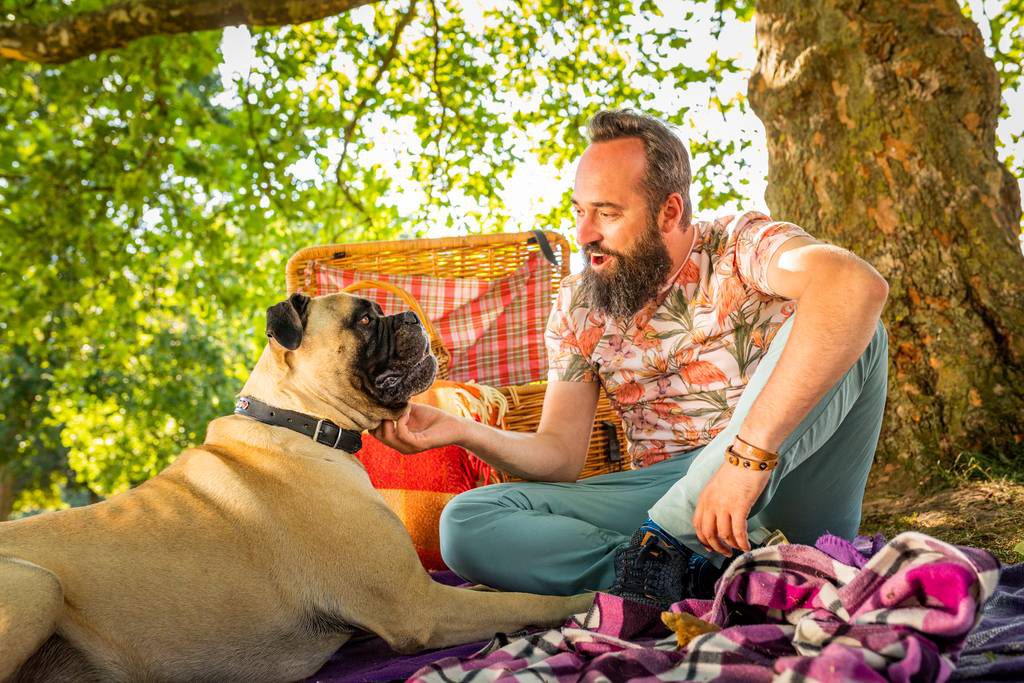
977	502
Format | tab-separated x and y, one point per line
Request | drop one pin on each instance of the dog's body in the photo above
252	557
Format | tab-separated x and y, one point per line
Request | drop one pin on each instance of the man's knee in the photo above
464	536
880	341
875	360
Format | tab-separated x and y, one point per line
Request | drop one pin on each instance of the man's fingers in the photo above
710	527
739	533
722	530
727	532
698	518
405	436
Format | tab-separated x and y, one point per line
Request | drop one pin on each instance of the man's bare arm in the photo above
557	451
839	299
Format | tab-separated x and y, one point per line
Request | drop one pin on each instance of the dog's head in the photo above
343	349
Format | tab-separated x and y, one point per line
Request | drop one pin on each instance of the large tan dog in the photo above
256	555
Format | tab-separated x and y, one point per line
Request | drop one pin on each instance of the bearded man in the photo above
745	357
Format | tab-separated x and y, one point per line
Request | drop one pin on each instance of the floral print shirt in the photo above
676	369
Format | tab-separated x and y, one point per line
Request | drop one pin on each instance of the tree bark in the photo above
90	32
881	120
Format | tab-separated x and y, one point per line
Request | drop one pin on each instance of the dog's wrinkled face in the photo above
349	352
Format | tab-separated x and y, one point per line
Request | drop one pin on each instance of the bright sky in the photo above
535	188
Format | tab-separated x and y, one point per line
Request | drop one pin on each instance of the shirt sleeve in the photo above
566	361
756	238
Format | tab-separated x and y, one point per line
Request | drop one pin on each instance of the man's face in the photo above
627	262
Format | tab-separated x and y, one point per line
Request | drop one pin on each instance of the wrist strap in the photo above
748	450
734	458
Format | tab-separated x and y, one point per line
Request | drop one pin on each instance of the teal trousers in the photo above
560	538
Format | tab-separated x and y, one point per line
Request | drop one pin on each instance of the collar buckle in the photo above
319	427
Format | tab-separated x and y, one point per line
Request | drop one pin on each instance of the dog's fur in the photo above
256	555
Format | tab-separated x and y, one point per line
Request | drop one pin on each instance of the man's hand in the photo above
720	519
420	429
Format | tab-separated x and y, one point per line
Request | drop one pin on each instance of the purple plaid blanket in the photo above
995	649
789	612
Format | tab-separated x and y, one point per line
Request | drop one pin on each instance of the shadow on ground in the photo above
984	514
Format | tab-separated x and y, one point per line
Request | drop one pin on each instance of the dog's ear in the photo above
286	321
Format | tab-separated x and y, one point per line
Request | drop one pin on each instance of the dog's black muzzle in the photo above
398	359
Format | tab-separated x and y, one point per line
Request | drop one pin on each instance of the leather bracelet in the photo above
734	458
748	450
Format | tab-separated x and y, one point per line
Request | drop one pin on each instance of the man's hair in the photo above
668	164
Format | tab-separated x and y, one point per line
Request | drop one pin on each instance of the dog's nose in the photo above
408	318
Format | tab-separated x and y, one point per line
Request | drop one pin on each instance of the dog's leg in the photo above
465	615
31	600
447	616
393	597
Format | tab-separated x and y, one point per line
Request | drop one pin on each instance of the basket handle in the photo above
435	338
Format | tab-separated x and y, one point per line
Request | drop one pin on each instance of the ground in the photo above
982	513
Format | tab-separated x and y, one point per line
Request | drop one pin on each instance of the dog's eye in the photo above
365	320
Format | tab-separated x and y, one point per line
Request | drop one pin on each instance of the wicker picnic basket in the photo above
482	257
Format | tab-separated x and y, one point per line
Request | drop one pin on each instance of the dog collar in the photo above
322	431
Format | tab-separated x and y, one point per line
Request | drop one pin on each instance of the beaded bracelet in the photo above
734	458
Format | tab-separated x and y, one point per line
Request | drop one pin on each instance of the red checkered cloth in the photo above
494	329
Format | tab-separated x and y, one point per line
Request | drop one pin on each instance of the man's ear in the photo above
672	213
286	321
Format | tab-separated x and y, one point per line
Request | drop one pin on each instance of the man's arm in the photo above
557	451
839	299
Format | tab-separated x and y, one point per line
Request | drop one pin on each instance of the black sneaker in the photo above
701	577
649	572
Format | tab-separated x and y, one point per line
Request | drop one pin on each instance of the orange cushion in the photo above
418	486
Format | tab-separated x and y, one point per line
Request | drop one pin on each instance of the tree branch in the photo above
264	168
441	172
360	108
87	33
382	68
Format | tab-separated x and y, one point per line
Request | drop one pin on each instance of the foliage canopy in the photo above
149	199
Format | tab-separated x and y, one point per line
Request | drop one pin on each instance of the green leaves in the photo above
151	196
1002	23
123	291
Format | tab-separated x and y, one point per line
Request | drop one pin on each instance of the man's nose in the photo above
586	230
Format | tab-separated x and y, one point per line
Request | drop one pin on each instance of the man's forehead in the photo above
610	173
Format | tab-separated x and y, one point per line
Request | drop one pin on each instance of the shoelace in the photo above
639	577
630	577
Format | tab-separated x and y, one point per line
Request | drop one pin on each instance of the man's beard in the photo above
634	279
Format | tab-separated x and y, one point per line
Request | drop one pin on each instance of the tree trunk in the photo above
881	120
